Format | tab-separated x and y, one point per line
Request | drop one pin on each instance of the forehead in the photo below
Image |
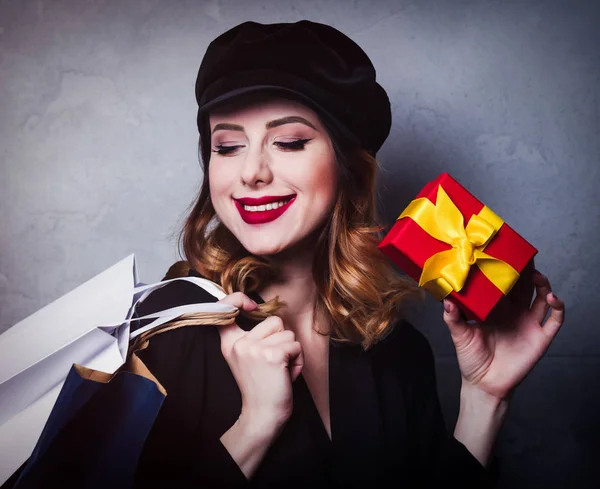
261	109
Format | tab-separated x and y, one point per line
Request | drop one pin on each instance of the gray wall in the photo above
98	160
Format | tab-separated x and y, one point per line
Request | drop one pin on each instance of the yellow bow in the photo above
448	270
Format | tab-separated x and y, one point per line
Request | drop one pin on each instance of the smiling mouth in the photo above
260	214
267	207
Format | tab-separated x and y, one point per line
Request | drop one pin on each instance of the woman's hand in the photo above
494	357
264	362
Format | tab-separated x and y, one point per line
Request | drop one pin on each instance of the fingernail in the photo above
447	306
554	296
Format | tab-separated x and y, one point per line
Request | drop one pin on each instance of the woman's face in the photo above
277	151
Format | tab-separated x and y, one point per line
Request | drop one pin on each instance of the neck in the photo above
296	287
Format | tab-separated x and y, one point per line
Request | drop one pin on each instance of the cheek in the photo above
219	185
312	171
323	181
219	181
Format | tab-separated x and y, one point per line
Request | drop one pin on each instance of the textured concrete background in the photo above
98	160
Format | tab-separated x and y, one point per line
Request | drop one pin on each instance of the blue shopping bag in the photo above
95	432
97	428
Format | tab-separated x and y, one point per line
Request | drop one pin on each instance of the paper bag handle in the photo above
141	341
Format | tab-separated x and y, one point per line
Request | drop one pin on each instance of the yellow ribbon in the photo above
448	270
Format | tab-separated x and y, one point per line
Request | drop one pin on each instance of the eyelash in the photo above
297	145
293	145
225	150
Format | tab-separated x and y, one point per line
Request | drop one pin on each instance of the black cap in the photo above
308	61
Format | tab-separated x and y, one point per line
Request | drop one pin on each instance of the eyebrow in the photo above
289	120
226	126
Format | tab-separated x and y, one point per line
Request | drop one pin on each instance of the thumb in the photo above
452	317
232	332
239	300
229	335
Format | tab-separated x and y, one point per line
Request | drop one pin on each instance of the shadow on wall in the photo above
551	436
408	161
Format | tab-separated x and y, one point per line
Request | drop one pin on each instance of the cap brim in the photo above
275	89
233	94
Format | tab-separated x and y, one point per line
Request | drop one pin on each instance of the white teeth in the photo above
267	207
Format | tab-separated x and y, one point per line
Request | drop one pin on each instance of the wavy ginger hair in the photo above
359	292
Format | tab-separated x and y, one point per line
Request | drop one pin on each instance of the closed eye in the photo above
225	150
296	145
292	145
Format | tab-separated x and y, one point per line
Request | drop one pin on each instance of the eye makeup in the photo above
223	149
295	145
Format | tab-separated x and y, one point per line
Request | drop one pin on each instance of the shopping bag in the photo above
97	428
90	327
95	433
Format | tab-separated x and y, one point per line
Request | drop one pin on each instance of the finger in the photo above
296	364
523	290
239	300
232	332
557	316
229	335
540	305
283	354
292	350
272	324
285	336
456	324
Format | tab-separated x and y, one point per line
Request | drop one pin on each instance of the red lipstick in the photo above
267	199
260	217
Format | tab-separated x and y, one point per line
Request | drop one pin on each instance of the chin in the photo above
264	249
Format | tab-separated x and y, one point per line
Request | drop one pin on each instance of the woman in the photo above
334	389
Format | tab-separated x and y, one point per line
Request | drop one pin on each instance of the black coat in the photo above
386	422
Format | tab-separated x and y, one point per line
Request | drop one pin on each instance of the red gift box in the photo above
409	246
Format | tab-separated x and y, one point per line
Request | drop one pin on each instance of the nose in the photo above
256	167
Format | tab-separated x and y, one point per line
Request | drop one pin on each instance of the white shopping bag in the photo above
88	326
